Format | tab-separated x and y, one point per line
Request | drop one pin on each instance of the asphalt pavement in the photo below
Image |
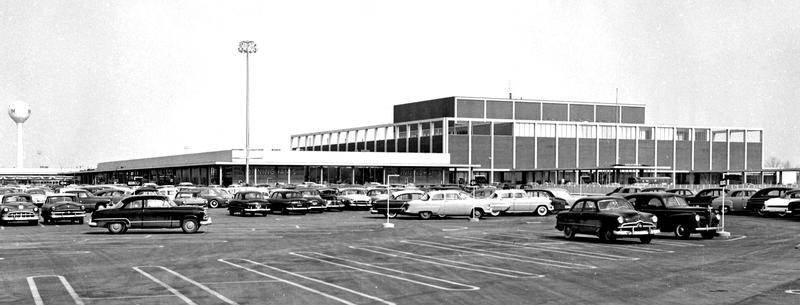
348	258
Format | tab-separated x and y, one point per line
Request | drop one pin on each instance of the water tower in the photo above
19	112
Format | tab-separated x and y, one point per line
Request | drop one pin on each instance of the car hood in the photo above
64	206
631	216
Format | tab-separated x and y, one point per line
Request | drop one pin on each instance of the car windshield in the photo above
614	204
252	195
61	199
36	192
293	195
15	199
675	202
310	193
352	192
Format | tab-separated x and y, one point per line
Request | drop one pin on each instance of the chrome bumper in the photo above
21	217
77	215
202	223
698	229
257	210
92	224
637	233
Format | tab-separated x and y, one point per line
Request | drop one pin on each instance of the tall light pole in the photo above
247	47
389	225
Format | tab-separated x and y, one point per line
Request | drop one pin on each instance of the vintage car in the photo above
704	197
62	207
756	202
483	193
607	217
216	197
190	197
89	201
149	212
558	203
38	195
735	200
624	190
681	191
249	202
315	201
376	194
396	203
168	191
114	194
780	206
447	203
16	207
564	194
288	201
354	197
518	201
676	215
332	201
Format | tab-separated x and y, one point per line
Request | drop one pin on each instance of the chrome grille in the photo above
20	214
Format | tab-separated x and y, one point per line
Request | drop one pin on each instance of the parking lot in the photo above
347	258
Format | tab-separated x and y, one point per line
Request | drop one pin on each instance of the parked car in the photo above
190	197
18	207
654	189
518	201
448	203
624	190
38	195
332	201
780	206
62	207
609	218
249	202
482	193
168	191
681	191
735	200
114	195
288	201
315	201
149	212
676	215
216	197
397	202
704	197
558	203
756	202
89	201
354	197
564	194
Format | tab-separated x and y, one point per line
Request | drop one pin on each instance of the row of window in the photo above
542	130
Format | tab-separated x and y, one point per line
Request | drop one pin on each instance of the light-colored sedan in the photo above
735	200
448	203
780	206
518	201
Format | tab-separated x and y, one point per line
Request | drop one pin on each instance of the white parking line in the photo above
450	263
467	287
502	255
306	278
131	297
737	238
793	291
201	286
37	298
626	247
676	243
549	249
168	287
446	229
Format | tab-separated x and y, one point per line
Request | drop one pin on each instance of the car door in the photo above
132	211
156	214
590	219
453	205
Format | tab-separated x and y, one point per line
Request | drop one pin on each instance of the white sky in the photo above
110	80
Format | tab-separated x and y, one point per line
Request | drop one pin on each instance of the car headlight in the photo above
5	210
52	208
620	219
696	217
36	209
654	218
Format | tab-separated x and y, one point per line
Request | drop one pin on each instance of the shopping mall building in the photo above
458	139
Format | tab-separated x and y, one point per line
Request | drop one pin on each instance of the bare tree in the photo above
775	162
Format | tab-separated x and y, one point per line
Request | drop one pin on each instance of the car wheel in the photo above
495	213
189	226
477	213
682	231
569	233
425	215
761	212
646	239
708	235
391	214
607	235
117	227
541	210
213	204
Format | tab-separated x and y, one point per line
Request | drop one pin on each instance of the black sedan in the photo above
704	197
62	207
288	201
676	215
608	218
249	202
149	212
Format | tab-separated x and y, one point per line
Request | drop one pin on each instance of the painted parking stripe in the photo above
37	298
676	243
447	262
582	253
182	277
502	255
737	238
340	300
626	248
330	260
793	291
168	287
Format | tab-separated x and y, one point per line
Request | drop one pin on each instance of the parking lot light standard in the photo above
247	47
388	225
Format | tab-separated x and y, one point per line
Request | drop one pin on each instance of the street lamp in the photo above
247	47
388	224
